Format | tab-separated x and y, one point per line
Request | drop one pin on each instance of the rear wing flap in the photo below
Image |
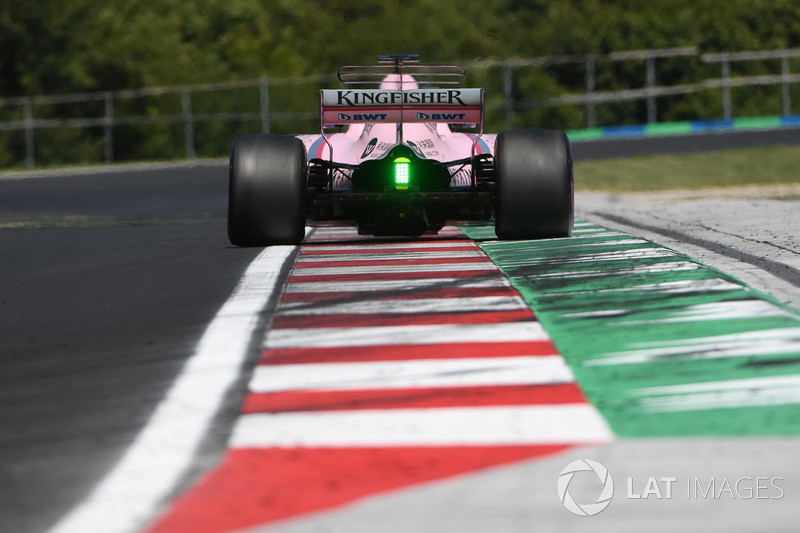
360	106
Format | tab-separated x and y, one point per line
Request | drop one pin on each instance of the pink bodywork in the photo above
362	142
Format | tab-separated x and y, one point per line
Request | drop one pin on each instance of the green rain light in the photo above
402	172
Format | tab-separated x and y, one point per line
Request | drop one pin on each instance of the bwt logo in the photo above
363	116
585	509
440	116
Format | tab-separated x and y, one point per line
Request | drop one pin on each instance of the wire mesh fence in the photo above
563	92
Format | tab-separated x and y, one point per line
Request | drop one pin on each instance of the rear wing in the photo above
358	106
424	101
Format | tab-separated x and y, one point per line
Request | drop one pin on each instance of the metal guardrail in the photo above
266	113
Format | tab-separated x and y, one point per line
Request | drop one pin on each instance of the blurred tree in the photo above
62	46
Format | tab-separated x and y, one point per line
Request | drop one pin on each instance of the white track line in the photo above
750	343
373	247
417	306
449	426
479	266
488	280
148	472
390	255
428	334
468	372
749	392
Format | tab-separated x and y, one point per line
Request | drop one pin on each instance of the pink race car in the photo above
396	167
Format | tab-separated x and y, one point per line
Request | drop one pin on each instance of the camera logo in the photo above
585	509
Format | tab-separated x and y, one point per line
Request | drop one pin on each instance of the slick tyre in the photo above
534	185
267	190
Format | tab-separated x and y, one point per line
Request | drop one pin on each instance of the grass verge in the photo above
729	168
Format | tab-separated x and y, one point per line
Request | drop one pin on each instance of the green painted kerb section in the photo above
662	344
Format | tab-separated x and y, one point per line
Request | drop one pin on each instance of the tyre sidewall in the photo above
534	193
267	190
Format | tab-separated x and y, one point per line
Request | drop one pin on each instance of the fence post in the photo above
591	113
30	161
786	98
651	83
264	92
108	131
727	113
508	96
188	127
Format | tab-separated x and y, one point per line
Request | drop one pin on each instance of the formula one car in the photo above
396	167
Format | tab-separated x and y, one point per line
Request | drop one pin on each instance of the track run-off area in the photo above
359	384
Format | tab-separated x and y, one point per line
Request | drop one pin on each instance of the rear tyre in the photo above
534	187
267	190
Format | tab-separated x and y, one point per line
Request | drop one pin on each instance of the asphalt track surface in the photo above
108	282
106	288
